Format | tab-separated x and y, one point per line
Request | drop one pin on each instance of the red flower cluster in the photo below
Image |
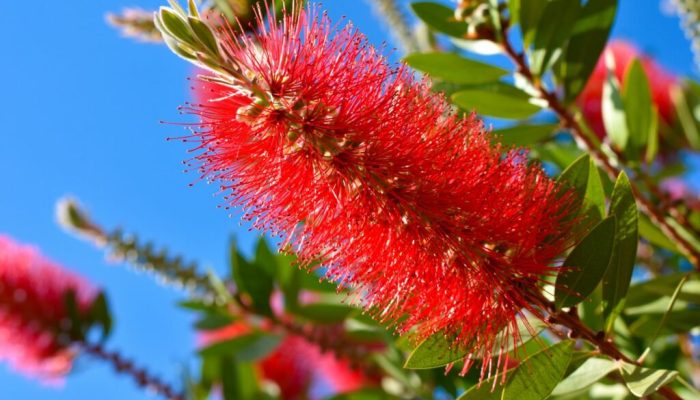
298	367
33	313
357	164
661	83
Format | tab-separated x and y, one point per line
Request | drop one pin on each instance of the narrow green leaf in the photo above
435	351
684	105
617	278
645	381
590	372
529	17
677	322
639	109
451	67
213	321
651	290
553	31
203	34
595	195
514	10
250	347
588	38
364	394
614	118
325	313
225	7
498	100
651	232
100	315
255	281
575	177
265	258
533	379
177	27
523	135
440	18
653	141
585	266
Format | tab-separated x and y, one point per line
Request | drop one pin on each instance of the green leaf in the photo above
594	202
585	266
651	232
364	394
553	31
265	259
523	135
177	27
685	102
575	177
435	351
452	67
590	372
529	17
499	100
645	381
639	108
533	379
613	105
440	18
617	278
677	321
100	315
250	347
588	38
213	321
239	380
255	281
651	290
514	9
326	313
203	34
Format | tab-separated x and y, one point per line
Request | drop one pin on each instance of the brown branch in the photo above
142	377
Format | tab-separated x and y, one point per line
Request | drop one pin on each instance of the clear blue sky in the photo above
80	108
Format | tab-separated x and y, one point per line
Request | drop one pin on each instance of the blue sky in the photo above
80	108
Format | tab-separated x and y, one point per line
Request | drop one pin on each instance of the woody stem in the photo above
125	366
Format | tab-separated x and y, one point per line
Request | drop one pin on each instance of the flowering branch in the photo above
125	366
609	165
689	12
397	20
171	270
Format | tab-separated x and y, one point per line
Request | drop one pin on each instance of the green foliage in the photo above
590	372
553	30
525	134
496	100
616	281
584	268
435	351
439	18
645	381
534	379
588	38
453	68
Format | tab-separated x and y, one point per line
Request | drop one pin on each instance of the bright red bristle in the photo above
358	164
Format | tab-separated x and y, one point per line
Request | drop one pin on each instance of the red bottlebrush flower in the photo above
33	315
661	83
298	367
357	164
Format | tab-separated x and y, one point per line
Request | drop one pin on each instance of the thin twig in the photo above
125	366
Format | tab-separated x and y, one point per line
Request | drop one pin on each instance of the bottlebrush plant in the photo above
414	251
